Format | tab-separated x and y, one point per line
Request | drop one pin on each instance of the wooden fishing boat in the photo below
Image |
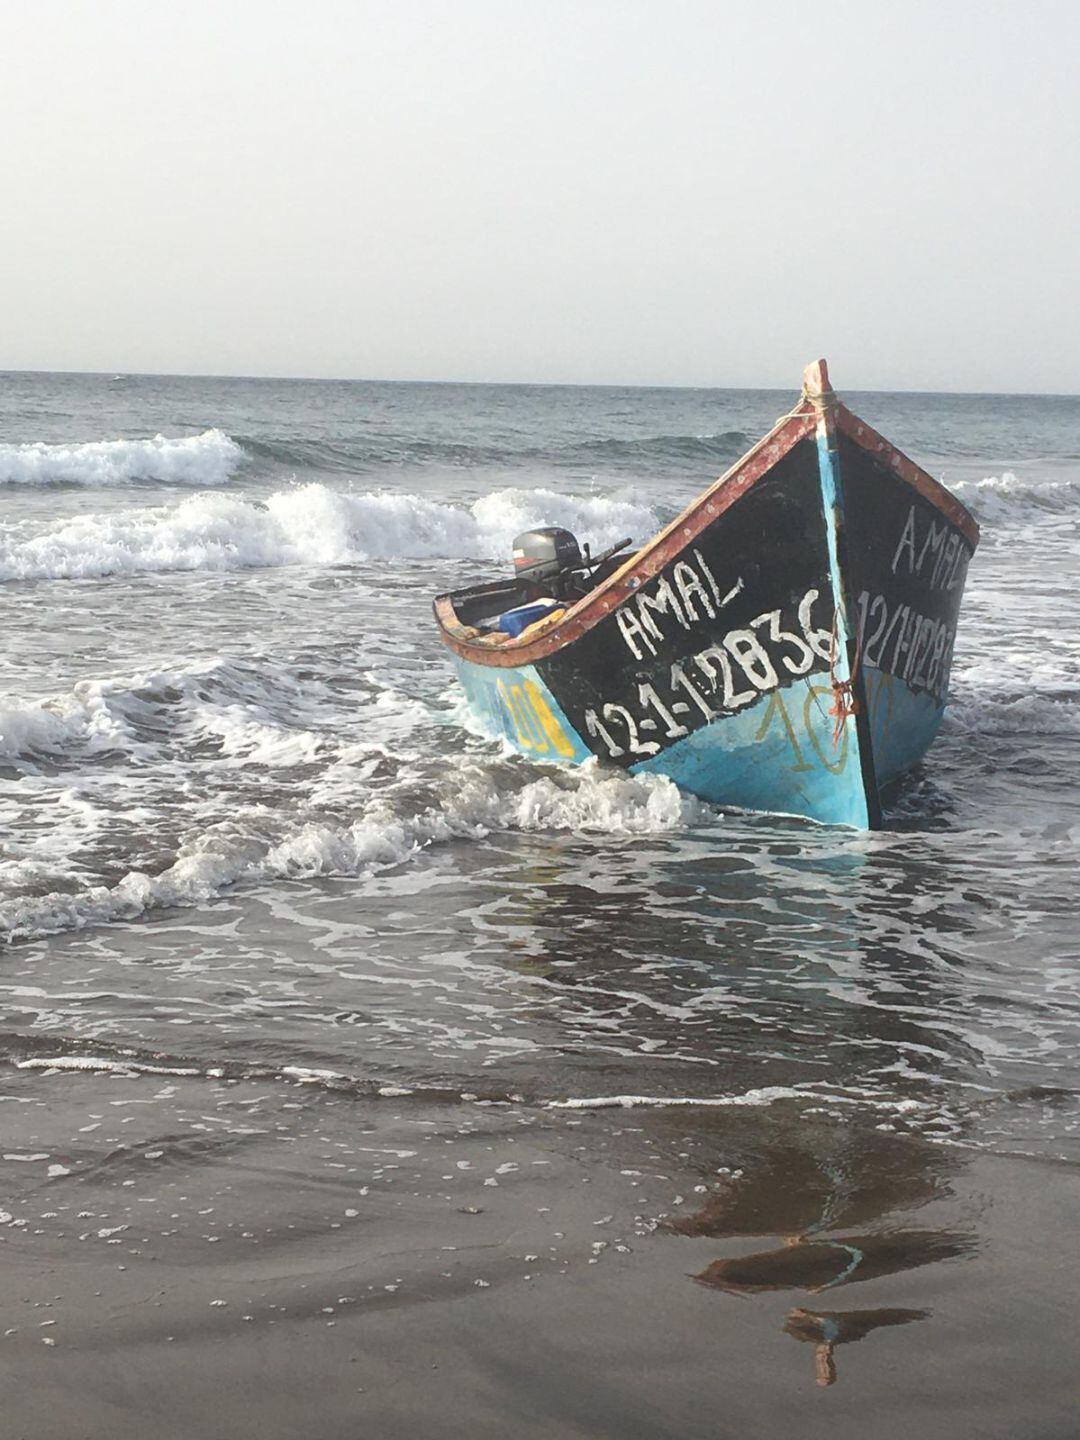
783	645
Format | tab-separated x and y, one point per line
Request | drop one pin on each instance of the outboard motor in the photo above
541	556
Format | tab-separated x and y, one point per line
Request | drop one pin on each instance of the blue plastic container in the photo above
513	622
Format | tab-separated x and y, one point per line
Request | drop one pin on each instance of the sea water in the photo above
253	846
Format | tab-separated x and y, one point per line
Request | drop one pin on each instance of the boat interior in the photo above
537	595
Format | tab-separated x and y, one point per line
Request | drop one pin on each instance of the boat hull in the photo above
905	563
777	755
784	645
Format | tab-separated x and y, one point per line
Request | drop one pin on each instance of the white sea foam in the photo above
306	1076
254	711
586	799
316	524
243	738
211	458
1021	689
1027	715
82	717
306	525
36	729
259	714
594	800
766	1095
102	1064
1011	499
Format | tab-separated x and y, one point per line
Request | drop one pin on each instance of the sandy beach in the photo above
483	1268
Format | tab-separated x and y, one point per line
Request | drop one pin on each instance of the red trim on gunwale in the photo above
644	564
868	439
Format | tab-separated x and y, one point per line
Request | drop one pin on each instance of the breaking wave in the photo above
305	525
1014	714
1008	499
1017	691
476	801
241	704
211	458
33	731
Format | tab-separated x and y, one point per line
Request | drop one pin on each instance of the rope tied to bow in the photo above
817	399
820	399
845	702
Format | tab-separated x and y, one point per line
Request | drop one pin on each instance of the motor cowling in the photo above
544	554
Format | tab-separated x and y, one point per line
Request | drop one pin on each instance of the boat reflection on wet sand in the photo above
825	1329
821	1178
824	1264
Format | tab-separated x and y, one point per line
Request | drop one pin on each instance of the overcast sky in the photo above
625	191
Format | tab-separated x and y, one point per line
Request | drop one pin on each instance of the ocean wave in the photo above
474	804
305	525
252	710
1018	692
1008	499
51	728
722	447
1015	714
213	458
209	459
356	454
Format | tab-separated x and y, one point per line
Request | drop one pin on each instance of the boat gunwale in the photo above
875	444
652	557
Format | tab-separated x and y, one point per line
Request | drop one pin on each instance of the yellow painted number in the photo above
535	725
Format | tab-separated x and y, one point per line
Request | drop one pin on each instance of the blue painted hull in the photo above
516	705
783	646
779	755
903	724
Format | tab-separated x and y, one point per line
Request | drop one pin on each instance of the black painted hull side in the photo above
905	564
758	571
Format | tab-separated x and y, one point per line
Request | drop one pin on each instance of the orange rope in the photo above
844	701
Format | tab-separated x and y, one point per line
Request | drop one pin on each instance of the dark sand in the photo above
243	1299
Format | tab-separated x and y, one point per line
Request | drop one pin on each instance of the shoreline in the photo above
615	1279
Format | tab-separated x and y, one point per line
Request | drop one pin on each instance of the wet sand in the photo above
342	1265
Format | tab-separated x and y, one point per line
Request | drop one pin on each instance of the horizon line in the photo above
527	384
